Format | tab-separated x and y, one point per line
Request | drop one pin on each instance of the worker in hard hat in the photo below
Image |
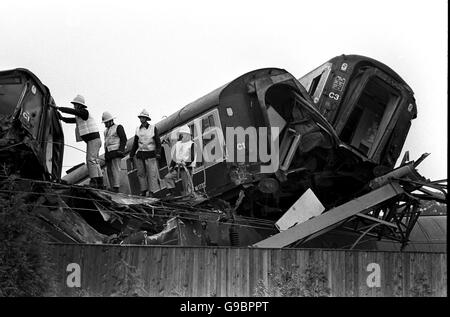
145	153
86	130
115	141
183	162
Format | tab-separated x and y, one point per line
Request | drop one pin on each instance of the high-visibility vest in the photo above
84	127
146	140
181	152
112	140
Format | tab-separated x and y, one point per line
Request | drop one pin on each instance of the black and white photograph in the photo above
224	154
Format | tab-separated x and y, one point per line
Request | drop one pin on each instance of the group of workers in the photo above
144	153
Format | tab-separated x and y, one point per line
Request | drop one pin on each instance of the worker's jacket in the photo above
84	127
146	140
183	152
112	140
115	141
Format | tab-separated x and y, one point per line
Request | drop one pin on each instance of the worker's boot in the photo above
100	183
93	182
115	189
144	193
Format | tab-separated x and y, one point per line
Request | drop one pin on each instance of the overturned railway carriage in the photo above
31	136
335	129
367	103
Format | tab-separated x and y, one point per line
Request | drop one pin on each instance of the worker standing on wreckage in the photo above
115	141
183	161
145	153
86	130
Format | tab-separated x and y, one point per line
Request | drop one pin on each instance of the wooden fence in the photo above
93	270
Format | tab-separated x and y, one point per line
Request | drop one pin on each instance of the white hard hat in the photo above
106	116
185	129
79	99
144	113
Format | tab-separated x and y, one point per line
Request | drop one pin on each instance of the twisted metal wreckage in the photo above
335	187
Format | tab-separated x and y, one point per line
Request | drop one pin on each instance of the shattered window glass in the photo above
10	92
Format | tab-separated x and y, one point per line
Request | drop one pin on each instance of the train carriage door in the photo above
164	161
210	151
58	143
31	111
49	150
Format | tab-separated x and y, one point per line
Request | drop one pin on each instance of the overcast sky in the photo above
127	55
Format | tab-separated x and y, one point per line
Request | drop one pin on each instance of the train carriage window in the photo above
204	130
191	127
11	90
370	117
206	124
314	82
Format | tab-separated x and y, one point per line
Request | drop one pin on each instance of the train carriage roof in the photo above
360	60
27	73
212	99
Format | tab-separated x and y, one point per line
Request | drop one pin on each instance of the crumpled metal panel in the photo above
64	219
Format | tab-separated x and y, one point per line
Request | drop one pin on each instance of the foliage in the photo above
25	266
433	208
127	280
310	282
421	286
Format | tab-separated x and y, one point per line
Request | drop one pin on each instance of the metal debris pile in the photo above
78	214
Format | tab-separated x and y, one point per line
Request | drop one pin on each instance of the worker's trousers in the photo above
186	180
92	161
113	171
148	174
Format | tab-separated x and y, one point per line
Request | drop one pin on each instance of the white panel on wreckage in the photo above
306	207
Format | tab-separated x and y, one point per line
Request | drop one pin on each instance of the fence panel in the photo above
105	270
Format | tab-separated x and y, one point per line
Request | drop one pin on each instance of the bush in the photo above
25	268
127	280
292	283
421	286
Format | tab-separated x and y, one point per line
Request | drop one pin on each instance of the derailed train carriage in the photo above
338	127
31	136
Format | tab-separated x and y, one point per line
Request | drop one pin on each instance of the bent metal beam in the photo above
333	217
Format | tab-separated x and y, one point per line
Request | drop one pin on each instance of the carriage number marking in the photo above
333	95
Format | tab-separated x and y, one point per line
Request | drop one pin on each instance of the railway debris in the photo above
334	137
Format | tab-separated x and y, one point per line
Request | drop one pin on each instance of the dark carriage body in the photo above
31	136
